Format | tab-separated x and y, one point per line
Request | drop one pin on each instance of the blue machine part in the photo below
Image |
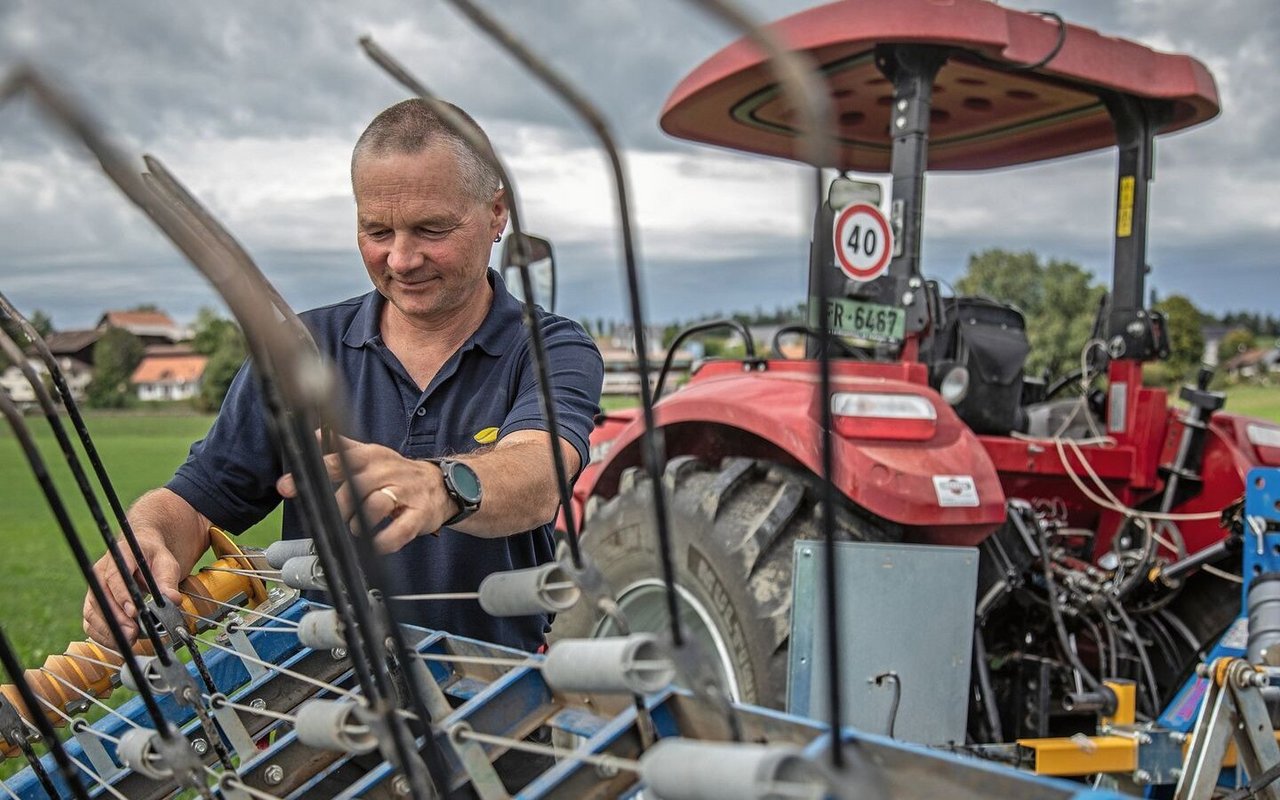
515	701
1260	555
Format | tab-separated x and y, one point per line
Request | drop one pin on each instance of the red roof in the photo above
129	319
982	116
169	369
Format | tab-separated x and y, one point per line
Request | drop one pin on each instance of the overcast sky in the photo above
255	105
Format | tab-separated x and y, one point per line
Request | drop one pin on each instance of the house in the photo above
169	375
76	345
76	373
152	327
1257	364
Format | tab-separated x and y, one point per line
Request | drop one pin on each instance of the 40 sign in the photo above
863	242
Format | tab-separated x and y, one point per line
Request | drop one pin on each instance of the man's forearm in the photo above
519	487
184	530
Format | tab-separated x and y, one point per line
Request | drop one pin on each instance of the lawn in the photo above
1254	401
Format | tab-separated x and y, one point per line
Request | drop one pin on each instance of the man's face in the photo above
424	240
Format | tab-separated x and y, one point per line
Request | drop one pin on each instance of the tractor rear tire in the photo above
733	531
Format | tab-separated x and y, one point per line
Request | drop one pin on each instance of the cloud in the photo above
255	106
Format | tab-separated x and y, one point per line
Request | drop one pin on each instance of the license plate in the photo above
870	321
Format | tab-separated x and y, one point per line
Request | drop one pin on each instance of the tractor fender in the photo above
776	415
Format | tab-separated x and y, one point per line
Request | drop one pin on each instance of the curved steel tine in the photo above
464	128
652	446
302	380
799	79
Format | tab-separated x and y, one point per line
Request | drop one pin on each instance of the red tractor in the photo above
940	437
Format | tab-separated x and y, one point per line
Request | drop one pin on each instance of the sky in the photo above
255	106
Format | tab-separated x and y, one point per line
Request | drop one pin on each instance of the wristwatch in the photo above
463	485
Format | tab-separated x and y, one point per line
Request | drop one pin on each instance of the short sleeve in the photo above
230	475
577	374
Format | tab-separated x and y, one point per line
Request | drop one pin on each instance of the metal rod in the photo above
10	348
302	381
460	125
37	717
38	468
86	441
798	79
651	444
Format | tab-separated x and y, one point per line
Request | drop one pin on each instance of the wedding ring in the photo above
395	501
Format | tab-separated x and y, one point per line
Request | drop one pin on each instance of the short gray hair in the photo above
412	126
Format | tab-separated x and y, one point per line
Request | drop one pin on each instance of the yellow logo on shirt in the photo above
487	436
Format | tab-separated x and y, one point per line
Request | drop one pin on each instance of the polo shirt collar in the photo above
500	329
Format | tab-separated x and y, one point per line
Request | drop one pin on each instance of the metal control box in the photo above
906	618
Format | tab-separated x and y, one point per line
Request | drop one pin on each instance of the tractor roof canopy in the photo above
983	116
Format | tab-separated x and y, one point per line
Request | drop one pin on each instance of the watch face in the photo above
465	481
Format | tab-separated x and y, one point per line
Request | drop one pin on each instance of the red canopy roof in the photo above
982	116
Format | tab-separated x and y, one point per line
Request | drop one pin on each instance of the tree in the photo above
221	340
41	322
1186	337
115	357
1234	342
1059	300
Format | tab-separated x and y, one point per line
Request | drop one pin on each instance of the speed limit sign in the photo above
863	242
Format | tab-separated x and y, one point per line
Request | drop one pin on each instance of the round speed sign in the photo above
863	242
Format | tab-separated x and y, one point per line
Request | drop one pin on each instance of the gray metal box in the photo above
903	608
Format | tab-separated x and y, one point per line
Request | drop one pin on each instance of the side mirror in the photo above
845	191
541	259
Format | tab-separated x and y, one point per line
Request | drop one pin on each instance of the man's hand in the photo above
410	493
163	566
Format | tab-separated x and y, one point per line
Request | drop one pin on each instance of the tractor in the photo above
1094	503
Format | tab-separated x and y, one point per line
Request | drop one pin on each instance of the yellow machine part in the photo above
1083	755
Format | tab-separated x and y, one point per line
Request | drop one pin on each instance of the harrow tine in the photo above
184	771
652	443
8	310
303	383
448	113
799	80
37	717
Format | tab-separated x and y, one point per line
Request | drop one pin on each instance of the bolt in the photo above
807	553
908	298
273	774
338	653
914	282
258	703
1141	776
276	594
607	769
200	746
400	786
902	105
901	122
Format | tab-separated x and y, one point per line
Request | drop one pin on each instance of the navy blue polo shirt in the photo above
490	382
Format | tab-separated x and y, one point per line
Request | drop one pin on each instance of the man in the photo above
438	366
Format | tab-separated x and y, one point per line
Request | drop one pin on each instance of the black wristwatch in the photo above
463	485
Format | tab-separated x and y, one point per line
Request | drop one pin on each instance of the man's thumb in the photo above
165	568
